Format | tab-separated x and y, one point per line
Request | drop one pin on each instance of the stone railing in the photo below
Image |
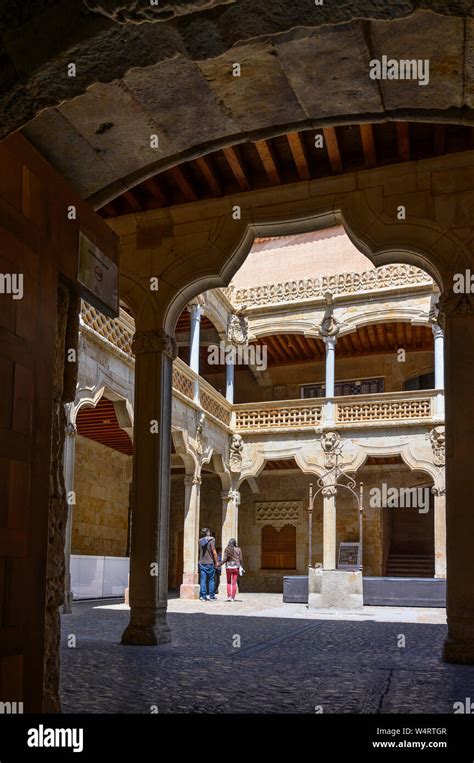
357	410
384	277
293	414
398	407
210	400
118	331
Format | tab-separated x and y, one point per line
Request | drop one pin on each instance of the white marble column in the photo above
194	342
439	369
329	527
229	379
230	516
154	351
439	531
330	342
69	456
192	488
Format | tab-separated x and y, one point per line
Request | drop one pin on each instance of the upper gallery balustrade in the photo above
348	412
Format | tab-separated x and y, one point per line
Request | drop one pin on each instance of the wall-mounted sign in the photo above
349	556
98	277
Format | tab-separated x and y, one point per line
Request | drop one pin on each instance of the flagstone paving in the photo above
259	655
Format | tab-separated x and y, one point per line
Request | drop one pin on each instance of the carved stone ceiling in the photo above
168	70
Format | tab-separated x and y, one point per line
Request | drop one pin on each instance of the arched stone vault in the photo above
302	66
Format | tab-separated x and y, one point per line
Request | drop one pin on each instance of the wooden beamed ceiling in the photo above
292	349
374	339
100	424
289	159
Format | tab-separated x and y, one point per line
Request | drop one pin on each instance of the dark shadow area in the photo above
283	665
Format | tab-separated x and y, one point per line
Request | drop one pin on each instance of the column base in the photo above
189	591
458	651
147	627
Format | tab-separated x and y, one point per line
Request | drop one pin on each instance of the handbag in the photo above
241	570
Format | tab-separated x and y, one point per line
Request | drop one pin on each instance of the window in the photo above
350	387
425	381
279	548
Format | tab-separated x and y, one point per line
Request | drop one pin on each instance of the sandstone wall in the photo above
102	478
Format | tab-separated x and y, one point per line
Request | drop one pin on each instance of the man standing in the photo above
207	564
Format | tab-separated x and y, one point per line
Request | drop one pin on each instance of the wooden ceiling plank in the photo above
209	175
332	147
132	201
299	155
152	185
268	161
184	185
237	168
368	145
403	141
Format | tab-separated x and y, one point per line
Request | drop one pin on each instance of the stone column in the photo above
439	369
439	531
154	351
230	516
229	379
194	342
69	455
329	527
458	310
192	488
330	342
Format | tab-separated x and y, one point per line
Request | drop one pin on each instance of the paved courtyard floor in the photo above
259	655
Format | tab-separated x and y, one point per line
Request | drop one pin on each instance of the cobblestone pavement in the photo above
288	661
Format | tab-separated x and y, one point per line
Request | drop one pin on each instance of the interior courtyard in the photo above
278	346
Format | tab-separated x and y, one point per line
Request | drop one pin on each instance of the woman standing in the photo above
233	560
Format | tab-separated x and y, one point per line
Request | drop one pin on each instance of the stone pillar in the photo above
458	310
230	516
229	379
439	531
194	342
330	342
439	369
190	586
69	455
329	527
154	351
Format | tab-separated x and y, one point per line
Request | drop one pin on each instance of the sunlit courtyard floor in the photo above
260	655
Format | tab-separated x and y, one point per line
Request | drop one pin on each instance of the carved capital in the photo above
329	491
70	430
329	328
192	479
154	340
450	304
437	330
438	491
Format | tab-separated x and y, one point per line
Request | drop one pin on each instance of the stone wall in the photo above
102	477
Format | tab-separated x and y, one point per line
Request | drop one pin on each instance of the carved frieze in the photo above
278	513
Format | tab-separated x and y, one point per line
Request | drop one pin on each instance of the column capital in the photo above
70	429
438	490
153	341
437	330
329	491
192	479
330	341
196	310
230	495
450	304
